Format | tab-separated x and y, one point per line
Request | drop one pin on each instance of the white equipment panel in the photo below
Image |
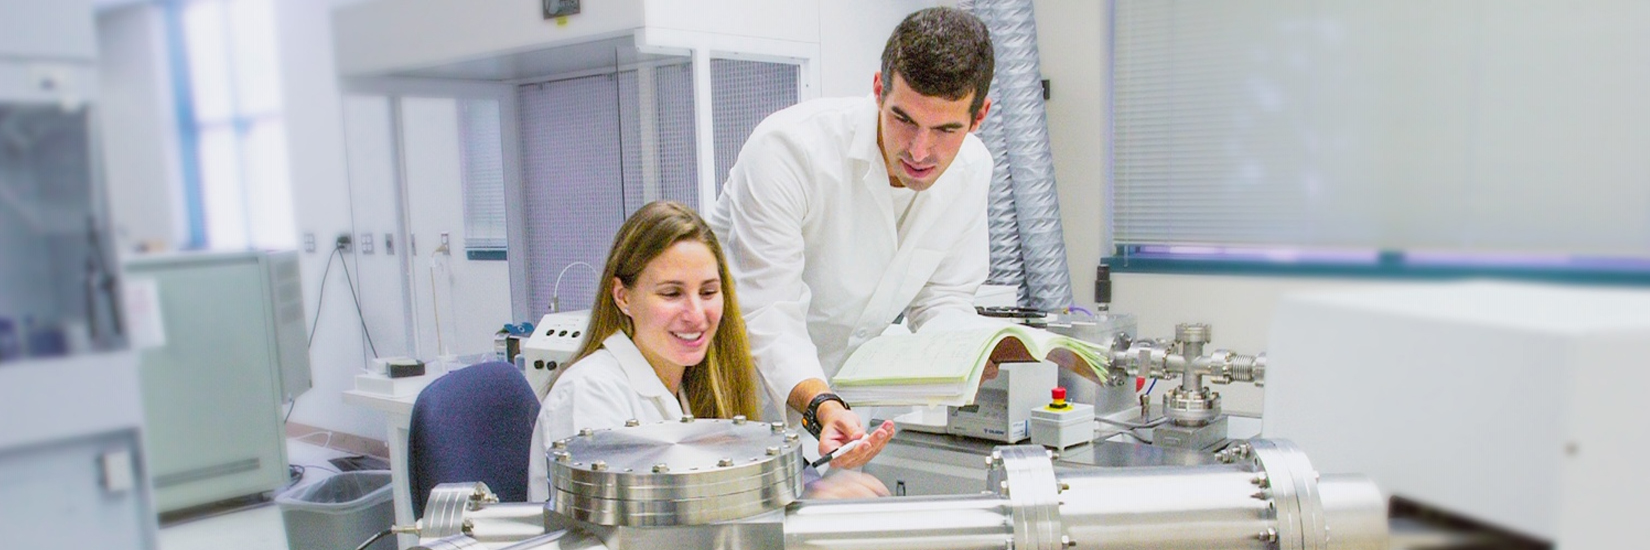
555	339
1515	404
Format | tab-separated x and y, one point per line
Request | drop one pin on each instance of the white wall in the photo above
471	298
851	36
139	129
320	183
1073	54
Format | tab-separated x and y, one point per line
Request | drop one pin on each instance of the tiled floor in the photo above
256	528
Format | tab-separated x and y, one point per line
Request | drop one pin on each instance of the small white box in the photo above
1061	428
393	387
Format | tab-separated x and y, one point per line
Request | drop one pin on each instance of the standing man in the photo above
840	214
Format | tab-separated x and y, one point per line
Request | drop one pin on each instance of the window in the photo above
1490	136
232	123
482	158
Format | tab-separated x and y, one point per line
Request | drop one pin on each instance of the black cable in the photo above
381	534
1136	436
320	297
289	409
295	474
1135	426
362	316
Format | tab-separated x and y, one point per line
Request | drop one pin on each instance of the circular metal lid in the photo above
691	472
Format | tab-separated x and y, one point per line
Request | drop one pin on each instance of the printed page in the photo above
929	358
1041	342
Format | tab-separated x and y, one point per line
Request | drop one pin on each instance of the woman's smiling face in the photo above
675	305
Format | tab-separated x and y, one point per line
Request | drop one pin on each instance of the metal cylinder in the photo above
1163	507
912	523
558	540
454	542
1269	497
507	522
1354	511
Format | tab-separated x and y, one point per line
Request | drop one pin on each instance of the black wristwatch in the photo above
810	415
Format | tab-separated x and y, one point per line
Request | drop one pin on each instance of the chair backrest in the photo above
474	424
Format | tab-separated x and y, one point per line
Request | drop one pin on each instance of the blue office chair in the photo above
474	424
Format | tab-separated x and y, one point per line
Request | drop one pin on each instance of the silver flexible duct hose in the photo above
1006	266
1017	116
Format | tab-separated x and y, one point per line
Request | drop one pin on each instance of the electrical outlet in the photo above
343	242
389	244
309	243
444	239
366	243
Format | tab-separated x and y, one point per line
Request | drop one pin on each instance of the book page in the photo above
1042	342
928	358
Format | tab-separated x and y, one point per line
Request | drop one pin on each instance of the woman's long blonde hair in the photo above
724	384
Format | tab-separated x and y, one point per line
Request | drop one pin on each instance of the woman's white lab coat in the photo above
603	390
809	228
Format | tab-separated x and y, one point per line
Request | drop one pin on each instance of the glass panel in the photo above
257	71
677	140
221	193
744	93
209	66
57	282
267	185
570	149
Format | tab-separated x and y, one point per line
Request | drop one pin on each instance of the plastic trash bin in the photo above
339	512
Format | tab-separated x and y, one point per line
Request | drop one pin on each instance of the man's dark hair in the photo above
941	52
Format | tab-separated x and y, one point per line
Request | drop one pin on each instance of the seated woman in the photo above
665	340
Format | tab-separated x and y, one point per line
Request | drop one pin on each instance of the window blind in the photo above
482	157
1475	126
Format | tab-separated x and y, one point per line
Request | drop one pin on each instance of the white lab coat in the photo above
821	265
603	390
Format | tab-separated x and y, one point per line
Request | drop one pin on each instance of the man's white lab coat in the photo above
821	266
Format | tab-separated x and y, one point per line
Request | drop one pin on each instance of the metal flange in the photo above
1293	484
676	473
444	511
1024	474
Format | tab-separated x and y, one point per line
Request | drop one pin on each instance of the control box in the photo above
1001	410
1062	424
552	345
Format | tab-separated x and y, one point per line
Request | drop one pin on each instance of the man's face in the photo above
920	135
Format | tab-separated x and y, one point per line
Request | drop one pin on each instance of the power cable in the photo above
320	297
362	316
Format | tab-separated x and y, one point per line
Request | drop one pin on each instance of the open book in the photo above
942	368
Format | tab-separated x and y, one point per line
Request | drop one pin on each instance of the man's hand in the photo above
1009	350
838	426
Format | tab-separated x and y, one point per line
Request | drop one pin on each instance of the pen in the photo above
840	450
